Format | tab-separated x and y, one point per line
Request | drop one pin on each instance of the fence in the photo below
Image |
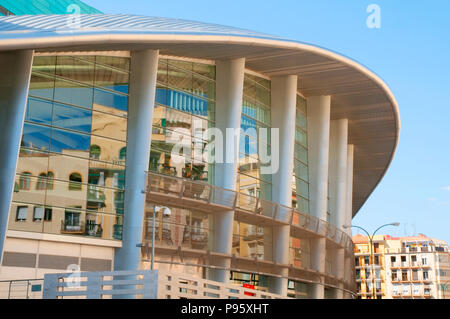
21	289
144	285
101	285
180	286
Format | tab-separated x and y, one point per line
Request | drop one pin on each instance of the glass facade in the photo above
300	188
184	110
300	253
251	241
183	228
71	167
255	116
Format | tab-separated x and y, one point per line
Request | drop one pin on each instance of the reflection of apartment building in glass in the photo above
105	122
406	267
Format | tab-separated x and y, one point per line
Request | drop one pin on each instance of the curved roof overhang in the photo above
357	93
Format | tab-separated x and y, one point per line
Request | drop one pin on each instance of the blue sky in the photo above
410	52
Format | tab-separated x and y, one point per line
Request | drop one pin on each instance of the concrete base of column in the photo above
280	254
279	285
317	291
338	293
318	255
218	274
223	235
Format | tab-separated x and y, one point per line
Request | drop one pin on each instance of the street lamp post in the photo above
445	285
371	253
166	212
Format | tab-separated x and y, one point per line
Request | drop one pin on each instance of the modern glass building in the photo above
104	119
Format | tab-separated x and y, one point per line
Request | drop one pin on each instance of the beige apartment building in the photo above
413	267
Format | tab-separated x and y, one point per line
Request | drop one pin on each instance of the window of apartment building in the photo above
405	289
427	291
95	152
394	276
425	275
25	181
21	214
404	276
48	214
366	260
393	259
38	214
403	259
42	182
413	259
358	274
376	247
376	260
75	182
378	274
396	290
357	261
424	261
72	220
415	275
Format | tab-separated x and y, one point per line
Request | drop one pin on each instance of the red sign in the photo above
249	287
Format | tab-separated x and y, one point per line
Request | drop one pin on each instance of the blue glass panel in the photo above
247	124
64	140
39	111
71	117
119	88
41	86
110	99
73	94
248	146
161	96
182	101
36	136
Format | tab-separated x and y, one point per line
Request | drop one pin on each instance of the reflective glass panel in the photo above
71	117
39	111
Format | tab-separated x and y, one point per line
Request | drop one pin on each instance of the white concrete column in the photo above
14	84
229	94
349	269
338	189
339	260
318	109
338	172
144	68
283	111
349	200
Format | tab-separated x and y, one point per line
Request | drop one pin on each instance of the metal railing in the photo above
185	189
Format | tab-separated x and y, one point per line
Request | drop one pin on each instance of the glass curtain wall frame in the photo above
184	110
300	187
255	121
73	139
